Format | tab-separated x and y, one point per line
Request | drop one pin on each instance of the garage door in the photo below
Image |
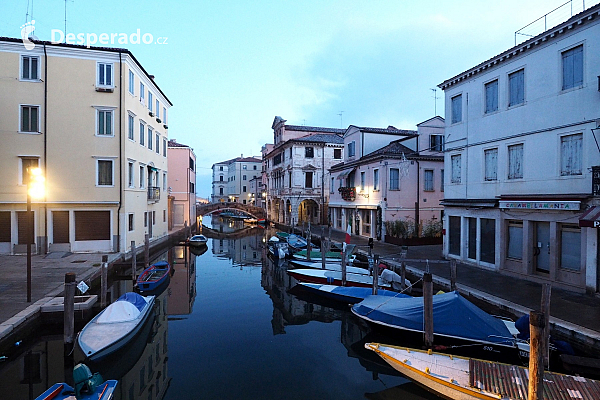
92	225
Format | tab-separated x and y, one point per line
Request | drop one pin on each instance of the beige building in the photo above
95	122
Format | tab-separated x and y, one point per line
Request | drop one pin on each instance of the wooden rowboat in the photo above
154	277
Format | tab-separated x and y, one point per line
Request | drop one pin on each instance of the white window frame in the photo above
490	175
164	181
436	142
112	161
363	179
456	168
352	149
487	96
131	83
131	126
142	132
562	68
398	179
157	107
22	168
102	65
149	100
157	143
521	101
112	121
164	147
456	115
150	136
142	176
38	69
376	179
510	174
142	92
131	174
570	170
20	127
428	184
130	222
165	115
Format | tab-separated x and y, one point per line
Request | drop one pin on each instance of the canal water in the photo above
229	326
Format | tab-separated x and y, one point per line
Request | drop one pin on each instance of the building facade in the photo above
181	185
296	172
521	148
219	182
388	175
95	123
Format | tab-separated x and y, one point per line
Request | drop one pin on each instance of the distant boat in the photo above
154	278
250	221
296	242
197	240
277	248
325	276
87	387
346	294
316	256
332	266
115	326
461	378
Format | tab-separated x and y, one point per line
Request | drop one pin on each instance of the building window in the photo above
157	144
142	180
516	88
332	185
472	238
142	92
243	177
362	180
375	179
30	68
491	96
456	168
570	247
337	154
570	154
428	180
105	121
150	102
26	165
157	109
436	142
221	191
164	181
308	180
488	240
131	83
164	115
164	220
244	189
491	164
130	126
130	173
220	168
255	168
130	221
244	167
193	187
220	178
454	237
164	147
572	68
309	152
105	173
150	137
30	119
105	74
456	103
142	133
442	180
515	161
145	226
153	217
352	149
514	248
394	179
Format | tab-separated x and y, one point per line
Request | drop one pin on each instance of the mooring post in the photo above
146	251
375	273
428	309
69	310
329	239
323	249
344	267
133	261
452	275
308	244
537	324
546	292
403	275
103	281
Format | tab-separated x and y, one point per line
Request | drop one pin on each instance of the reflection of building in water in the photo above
241	249
287	308
182	288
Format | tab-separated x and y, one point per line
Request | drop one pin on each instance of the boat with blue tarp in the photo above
346	294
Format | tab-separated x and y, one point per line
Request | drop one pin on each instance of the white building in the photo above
231	179
521	143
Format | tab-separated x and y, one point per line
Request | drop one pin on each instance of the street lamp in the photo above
35	189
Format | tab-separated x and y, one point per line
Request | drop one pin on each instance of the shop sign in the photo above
542	205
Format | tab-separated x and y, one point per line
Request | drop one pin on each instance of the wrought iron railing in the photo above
154	193
348	193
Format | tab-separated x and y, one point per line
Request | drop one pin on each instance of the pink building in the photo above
388	175
182	185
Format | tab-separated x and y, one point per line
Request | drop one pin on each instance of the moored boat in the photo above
332	266
197	240
115	326
154	277
346	294
326	276
277	248
85	387
296	242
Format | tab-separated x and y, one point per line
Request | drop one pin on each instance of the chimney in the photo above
151	77
242	156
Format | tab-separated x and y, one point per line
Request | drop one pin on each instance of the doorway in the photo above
541	247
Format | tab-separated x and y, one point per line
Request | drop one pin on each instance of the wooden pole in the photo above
133	261
344	267
329	238
428	309
103	281
308	243
375	273
403	275
452	275
536	355
323	250
546	291
146	251
69	309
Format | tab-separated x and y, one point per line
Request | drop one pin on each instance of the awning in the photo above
590	218
345	174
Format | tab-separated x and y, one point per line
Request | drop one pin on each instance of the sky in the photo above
230	67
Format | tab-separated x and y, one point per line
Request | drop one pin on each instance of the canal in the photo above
228	327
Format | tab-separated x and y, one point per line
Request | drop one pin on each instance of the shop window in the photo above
454	238
515	240
488	240
570	247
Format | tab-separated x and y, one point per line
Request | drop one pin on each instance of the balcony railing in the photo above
348	193
154	193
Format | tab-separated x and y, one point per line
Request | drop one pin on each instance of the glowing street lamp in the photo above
35	189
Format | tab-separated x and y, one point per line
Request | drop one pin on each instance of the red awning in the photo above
590	218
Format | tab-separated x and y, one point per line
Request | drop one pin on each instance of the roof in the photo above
320	138
313	129
574	22
390	130
394	148
245	159
83	47
173	143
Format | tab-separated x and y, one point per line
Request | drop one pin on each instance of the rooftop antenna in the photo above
66	14
341	120
434	101
27	12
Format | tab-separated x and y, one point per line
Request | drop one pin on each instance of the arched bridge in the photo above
254	212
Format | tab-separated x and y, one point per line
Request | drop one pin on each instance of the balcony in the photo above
153	193
348	193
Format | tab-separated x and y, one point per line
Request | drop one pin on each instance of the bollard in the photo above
452	275
133	261
344	267
428	309
403	275
375	273
103	281
546	291
146	251
69	309
536	355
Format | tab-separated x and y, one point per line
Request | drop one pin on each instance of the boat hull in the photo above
346	295
62	391
154	278
324	276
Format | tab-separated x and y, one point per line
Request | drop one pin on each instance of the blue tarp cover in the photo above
453	315
135	299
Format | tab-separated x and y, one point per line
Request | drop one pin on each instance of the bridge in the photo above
254	212
237	234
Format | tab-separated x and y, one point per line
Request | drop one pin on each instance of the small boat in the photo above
282	235
115	326
332	266
197	240
458	325
330	256
296	242
326	276
461	378
251	221
277	248
87	387
261	221
154	277
346	294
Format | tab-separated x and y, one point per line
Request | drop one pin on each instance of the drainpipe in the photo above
120	152
323	185
45	249
417	217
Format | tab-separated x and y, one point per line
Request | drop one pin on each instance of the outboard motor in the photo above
84	381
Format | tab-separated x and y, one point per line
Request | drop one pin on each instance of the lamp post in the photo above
35	189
